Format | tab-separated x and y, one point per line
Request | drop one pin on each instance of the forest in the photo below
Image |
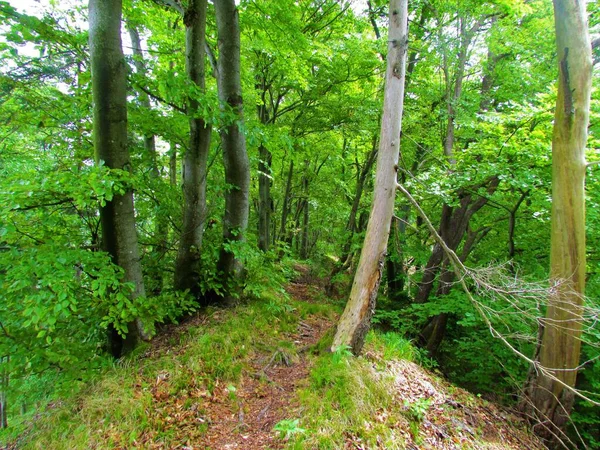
290	216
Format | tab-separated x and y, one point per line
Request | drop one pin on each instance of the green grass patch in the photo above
348	400
138	400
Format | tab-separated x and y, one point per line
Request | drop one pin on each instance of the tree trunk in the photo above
453	95
453	225
187	263
233	141
352	225
154	271
560	348
173	164
140	68
264	198
109	87
4	361
356	319
305	211
286	205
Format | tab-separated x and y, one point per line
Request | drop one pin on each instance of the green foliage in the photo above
288	428
315	68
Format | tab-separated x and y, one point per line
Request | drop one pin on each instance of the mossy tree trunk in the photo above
233	142
549	395
356	319
109	87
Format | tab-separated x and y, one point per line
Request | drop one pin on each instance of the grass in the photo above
139	399
163	395
344	396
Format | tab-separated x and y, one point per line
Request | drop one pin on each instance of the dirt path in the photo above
244	418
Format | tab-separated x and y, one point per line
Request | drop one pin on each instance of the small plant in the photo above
231	392
278	307
341	353
287	428
416	410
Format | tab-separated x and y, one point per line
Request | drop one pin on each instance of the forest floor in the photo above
211	384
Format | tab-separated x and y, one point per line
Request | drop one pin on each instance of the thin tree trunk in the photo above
264	198
233	141
305	211
154	272
109	87
173	164
4	361
187	263
353	225
356	319
512	223
551	400
286	204
453	95
140	68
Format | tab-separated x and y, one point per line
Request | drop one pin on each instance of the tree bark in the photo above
233	142
153	270
4	361
109	88
140	68
305	211
264	198
173	164
283	232
560	348
194	161
453	225
356	319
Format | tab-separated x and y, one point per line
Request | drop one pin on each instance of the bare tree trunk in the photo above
356	319
154	272
305	211
173	164
264	198
4	361
233	141
286	204
551	399
109	87
140	68
187	263
347	253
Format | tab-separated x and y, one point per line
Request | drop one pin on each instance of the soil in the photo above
267	392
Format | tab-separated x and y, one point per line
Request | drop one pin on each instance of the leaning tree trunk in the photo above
550	398
233	141
356	319
109	88
187	263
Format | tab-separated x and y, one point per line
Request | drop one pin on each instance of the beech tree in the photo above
356	319
550	392
187	263
233	142
117	216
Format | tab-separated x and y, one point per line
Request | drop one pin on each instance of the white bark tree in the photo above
356	319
